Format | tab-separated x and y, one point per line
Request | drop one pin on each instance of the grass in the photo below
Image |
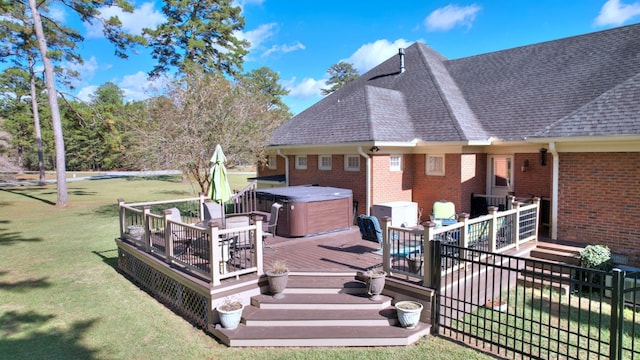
542	322
62	298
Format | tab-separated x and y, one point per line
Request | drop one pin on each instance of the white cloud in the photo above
86	70
372	54
284	48
614	13
446	18
243	3
306	89
139	87
85	93
146	16
57	13
258	36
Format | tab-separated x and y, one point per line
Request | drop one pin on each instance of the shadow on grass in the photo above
167	178
35	339
110	210
10	238
111	261
23	192
22	286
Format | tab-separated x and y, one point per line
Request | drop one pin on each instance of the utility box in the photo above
402	213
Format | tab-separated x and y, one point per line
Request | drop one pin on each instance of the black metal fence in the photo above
532	309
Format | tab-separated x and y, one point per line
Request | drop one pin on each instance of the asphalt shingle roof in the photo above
583	85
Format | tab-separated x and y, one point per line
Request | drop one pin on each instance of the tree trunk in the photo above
62	199
36	121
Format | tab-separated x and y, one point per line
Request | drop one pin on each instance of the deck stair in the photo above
545	267
320	310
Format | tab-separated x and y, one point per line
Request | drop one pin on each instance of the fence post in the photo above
516	227
427	257
146	237
168	239
493	228
617	318
215	253
436	280
386	244
122	220
259	248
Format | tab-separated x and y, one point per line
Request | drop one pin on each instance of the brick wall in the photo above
599	201
391	185
536	179
429	189
473	179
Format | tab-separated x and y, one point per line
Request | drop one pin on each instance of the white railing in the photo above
405	253
191	243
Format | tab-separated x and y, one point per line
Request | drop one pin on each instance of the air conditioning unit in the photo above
402	213
630	283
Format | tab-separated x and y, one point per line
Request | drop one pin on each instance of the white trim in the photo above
321	166
434	172
346	163
395	167
298	164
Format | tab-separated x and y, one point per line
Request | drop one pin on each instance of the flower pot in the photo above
135	231
497	305
230	315
375	285
277	283
415	263
408	313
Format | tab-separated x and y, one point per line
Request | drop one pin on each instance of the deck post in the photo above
385	222
168	239
493	228
427	265
537	201
146	237
201	206
122	215
258	245
214	254
516	228
464	234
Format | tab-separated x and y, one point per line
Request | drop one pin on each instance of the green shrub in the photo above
596	257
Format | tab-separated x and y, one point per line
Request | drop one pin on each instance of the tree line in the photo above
209	101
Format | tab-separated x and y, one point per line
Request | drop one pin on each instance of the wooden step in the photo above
547	267
555	255
338	284
253	316
321	335
559	247
321	302
538	283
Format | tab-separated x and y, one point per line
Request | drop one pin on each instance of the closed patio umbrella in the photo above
219	191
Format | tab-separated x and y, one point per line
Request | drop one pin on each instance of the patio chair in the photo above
213	211
179	235
444	212
270	227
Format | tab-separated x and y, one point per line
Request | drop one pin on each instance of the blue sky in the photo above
300	40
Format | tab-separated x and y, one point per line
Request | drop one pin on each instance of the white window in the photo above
435	165
301	162
395	163
324	162
352	162
272	162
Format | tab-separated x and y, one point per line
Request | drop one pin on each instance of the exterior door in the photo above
500	180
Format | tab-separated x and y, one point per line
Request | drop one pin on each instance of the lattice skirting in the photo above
177	296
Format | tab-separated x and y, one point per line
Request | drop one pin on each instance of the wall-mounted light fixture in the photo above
374	149
525	165
543	157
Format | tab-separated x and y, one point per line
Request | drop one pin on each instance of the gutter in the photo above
368	180
554	190
286	166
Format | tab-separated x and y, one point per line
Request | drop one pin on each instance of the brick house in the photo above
559	120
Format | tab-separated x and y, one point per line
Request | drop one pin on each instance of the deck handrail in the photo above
170	240
495	232
245	200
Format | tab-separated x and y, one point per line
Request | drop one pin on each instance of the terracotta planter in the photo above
408	313
375	285
497	305
229	317
277	283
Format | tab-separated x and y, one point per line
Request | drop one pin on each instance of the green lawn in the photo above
62	298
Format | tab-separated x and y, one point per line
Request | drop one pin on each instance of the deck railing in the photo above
404	250
190	243
245	200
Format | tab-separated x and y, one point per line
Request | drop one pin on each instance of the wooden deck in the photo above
341	251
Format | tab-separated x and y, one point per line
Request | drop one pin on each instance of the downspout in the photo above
286	167
368	179
554	190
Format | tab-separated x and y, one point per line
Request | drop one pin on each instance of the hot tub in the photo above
308	210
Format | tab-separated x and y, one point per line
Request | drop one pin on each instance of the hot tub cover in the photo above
303	193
